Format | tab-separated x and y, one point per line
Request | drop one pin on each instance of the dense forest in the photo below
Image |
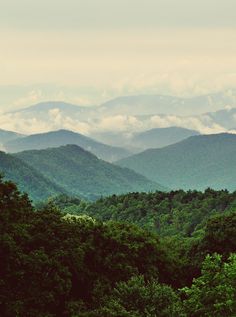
57	263
175	213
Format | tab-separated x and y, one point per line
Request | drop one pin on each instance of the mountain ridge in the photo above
195	163
82	173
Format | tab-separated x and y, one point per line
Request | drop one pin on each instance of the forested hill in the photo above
64	137
59	265
195	163
28	178
176	213
82	173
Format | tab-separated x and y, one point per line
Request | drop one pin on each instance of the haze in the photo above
87	52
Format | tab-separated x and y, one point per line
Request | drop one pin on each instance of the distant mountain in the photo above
82	173
64	137
195	163
28	179
160	137
225	118
130	114
162	104
43	107
153	138
6	136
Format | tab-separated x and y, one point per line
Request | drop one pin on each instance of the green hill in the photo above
175	213
195	163
64	137
28	179
82	173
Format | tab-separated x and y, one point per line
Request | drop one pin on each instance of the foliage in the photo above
63	265
214	292
175	213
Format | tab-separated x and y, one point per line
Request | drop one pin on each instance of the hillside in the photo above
82	173
196	163
175	213
160	137
6	136
64	137
28	179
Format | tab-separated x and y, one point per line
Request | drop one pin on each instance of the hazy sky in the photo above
92	50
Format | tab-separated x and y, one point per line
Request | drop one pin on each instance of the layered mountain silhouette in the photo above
28	178
64	137
6	136
195	163
160	137
131	114
153	138
81	173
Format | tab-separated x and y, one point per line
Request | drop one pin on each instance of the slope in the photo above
28	179
82	173
64	137
160	137
196	163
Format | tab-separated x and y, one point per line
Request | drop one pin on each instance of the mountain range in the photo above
6	136
64	137
28	179
128	115
79	172
195	163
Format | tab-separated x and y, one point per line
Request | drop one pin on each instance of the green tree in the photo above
214	292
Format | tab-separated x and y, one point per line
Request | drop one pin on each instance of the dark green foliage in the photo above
176	213
57	265
196	163
51	263
214	292
137	298
82	173
28	178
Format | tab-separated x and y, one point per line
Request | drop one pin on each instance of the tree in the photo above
214	292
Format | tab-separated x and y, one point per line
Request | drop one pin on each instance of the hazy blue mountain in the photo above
52	111
162	104
153	138
6	136
64	137
82	173
50	105
195	163
160	137
225	118
28	179
131	114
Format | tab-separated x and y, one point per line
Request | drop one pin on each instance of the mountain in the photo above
81	173
28	179
195	163
6	136
162	104
225	118
130	114
44	107
160	137
64	137
153	138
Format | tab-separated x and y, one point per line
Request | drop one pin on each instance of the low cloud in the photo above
57	119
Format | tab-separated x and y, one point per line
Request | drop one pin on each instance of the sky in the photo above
89	51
